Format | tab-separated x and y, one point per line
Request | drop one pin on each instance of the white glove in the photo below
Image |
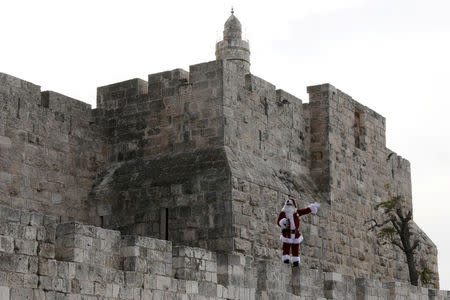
283	223
313	207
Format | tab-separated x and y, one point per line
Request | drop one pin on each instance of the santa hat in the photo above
291	200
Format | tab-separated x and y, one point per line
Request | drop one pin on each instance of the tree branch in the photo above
415	244
400	214
409	216
396	243
396	226
376	225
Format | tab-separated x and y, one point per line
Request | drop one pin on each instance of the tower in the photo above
233	47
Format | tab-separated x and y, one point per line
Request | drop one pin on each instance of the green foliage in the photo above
391	204
387	232
427	277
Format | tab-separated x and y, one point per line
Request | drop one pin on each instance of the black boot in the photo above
295	264
286	261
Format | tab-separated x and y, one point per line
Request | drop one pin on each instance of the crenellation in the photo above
170	188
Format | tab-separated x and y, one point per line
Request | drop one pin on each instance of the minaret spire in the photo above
232	47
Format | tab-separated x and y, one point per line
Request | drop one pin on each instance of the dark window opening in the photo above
164	223
18	108
45	99
167	225
260	139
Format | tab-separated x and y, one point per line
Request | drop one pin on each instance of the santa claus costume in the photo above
289	221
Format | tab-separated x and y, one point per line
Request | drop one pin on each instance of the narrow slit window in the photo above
18	108
167	225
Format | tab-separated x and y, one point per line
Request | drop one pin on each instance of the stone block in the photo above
208	289
33	263
191	287
21	293
25	217
71	254
30	233
86	287
46	250
330	276
39	294
134	263
30	280
36	219
147	294
61	285
156	267
242	245
129	251
41	233
100	289
9	214
4	292
112	290
163	283
65	229
47	267
129	293
134	279
150	281
6	244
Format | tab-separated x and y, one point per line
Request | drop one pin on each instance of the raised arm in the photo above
303	211
312	208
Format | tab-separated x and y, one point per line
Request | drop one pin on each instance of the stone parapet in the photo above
41	259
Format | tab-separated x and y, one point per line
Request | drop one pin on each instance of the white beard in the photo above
289	210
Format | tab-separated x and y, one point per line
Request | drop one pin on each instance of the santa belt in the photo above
291	231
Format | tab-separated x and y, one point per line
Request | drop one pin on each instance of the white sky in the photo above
392	56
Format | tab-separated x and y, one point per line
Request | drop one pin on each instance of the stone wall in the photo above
50	150
43	259
167	176
352	166
206	159
181	197
174	112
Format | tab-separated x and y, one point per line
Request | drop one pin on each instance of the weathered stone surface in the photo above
170	188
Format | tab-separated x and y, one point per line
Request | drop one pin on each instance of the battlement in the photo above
51	148
42	258
203	159
171	188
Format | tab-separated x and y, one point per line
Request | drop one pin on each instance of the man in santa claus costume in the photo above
289	221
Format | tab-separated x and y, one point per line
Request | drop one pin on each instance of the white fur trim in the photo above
285	240
297	241
284	257
291	222
295	259
291	240
283	222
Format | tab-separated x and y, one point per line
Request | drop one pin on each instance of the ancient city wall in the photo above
50	150
206	159
174	112
352	166
168	176
41	258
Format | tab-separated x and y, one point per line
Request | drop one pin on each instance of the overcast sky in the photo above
390	55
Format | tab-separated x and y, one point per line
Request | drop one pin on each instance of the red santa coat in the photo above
292	235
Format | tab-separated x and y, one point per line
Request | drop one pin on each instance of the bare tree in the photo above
395	228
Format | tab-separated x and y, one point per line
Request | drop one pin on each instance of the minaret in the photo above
232	47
